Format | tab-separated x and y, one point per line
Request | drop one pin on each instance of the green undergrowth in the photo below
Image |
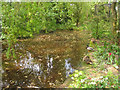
82	80
105	54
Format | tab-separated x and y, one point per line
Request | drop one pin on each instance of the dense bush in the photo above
25	19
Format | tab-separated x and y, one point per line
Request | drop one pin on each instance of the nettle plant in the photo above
80	80
107	53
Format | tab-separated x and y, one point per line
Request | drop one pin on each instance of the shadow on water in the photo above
44	62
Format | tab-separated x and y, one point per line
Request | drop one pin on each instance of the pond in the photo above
45	60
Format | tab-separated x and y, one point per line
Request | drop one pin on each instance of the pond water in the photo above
44	61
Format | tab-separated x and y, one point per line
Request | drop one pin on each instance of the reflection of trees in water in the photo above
68	67
55	59
76	53
53	69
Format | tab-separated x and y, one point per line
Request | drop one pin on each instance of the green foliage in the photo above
100	28
3	36
80	80
79	12
25	19
11	40
92	44
21	20
99	21
106	53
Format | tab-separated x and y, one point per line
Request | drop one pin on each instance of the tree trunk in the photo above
114	19
119	22
77	22
97	21
119	15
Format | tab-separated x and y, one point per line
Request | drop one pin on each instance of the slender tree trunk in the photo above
77	22
119	22
119	15
114	19
97	31
97	22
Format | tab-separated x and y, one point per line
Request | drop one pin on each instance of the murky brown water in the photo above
46	60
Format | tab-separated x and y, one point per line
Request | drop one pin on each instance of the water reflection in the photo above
29	63
68	67
45	63
49	64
